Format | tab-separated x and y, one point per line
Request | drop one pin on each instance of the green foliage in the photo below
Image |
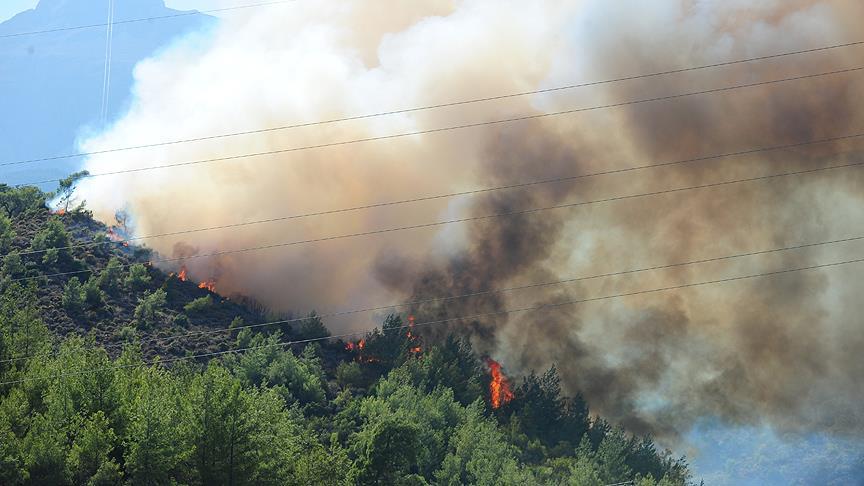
90	450
349	374
66	190
53	240
148	308
313	328
93	295
297	379
199	305
13	266
73	296
7	234
271	414
181	320
126	334
110	278
138	278
21	201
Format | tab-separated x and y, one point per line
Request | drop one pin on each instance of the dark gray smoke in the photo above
784	350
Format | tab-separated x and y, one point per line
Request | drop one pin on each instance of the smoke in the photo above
781	350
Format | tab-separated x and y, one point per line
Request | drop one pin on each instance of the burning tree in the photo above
500	392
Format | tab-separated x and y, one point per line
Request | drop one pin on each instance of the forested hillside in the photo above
114	372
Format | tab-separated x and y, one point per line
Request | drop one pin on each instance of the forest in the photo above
115	372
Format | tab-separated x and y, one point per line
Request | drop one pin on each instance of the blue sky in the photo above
8	8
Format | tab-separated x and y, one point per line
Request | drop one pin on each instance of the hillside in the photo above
102	382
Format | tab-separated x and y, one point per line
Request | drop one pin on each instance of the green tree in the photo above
149	307
12	265
221	428
110	278
7	234
66	189
73	296
91	450
298	379
54	241
388	452
199	305
93	295
154	437
478	454
138	278
22	200
313	328
611	456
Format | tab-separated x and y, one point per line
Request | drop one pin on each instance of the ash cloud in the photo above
781	350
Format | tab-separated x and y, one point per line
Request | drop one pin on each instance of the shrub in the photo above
6	232
149	307
139	276
51	257
313	328
349	374
73	296
198	305
126	333
12	265
109	279
93	295
181	320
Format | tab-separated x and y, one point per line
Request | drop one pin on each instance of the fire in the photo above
59	211
416	349
182	274
208	284
410	327
359	345
114	236
499	388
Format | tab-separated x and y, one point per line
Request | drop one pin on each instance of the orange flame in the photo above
59	211
116	237
208	284
416	349
182	274
499	388
409	334
359	345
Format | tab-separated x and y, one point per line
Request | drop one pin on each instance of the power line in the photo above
457	127
435	106
343	313
106	78
463	220
446	320
146	19
458	194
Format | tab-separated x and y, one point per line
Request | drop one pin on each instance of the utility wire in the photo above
447	320
343	313
146	19
106	78
464	220
458	127
436	106
458	194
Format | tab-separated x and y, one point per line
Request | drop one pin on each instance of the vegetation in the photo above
101	383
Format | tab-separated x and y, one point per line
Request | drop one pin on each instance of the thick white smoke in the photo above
756	350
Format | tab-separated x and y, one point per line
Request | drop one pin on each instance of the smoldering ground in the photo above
750	351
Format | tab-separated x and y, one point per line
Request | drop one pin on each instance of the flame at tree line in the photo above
499	388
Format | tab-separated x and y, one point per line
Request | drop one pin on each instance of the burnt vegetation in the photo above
102	384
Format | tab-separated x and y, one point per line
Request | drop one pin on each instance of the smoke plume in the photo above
782	350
